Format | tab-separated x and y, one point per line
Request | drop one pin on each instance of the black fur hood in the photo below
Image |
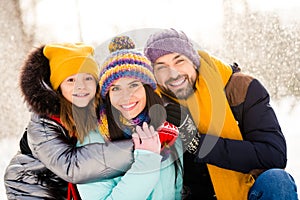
35	84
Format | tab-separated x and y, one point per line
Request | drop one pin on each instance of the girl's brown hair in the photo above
79	121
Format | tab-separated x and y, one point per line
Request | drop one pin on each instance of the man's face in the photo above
176	75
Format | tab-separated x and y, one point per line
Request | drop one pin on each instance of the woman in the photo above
127	87
58	82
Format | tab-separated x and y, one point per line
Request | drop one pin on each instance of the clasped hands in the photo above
147	138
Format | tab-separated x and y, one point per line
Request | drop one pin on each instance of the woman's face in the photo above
79	89
128	95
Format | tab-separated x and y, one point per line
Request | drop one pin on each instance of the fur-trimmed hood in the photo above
35	84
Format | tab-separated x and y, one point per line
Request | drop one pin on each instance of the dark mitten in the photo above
173	111
189	135
181	117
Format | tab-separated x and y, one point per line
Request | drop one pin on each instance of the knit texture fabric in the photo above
125	64
170	41
67	59
121	42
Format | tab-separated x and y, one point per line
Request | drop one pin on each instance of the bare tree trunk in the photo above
14	46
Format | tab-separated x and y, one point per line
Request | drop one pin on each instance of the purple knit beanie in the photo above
170	41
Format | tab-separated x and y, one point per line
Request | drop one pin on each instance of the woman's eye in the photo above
134	85
114	88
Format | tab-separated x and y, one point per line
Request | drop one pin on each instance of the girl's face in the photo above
79	89
128	95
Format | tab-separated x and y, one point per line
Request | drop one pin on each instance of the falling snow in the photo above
262	37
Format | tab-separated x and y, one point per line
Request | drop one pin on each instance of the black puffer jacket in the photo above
49	158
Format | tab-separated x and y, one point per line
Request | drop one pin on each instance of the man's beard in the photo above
182	93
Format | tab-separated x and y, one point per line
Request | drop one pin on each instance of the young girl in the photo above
59	83
127	87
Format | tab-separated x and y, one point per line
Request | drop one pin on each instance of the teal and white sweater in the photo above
148	177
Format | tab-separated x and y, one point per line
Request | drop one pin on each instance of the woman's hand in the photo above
146	138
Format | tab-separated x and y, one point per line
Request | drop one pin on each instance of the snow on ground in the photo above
286	110
288	113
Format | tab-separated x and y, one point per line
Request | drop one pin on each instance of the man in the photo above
238	150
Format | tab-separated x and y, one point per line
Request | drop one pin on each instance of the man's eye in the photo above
160	67
179	62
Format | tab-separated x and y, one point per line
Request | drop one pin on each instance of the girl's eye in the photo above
71	80
89	78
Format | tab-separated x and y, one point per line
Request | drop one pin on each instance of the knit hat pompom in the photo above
121	42
67	59
170	41
125	64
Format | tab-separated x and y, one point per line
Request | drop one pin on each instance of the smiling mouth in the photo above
81	95
177	83
129	106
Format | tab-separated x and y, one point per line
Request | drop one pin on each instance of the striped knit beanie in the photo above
125	64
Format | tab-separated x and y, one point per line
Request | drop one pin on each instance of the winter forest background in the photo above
263	36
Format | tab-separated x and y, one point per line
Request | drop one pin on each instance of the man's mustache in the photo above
175	79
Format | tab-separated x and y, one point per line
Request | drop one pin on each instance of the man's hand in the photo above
181	117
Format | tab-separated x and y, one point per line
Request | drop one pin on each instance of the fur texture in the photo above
35	84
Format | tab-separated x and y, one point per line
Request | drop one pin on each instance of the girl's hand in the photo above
146	138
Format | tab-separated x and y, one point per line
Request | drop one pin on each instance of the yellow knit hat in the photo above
67	59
